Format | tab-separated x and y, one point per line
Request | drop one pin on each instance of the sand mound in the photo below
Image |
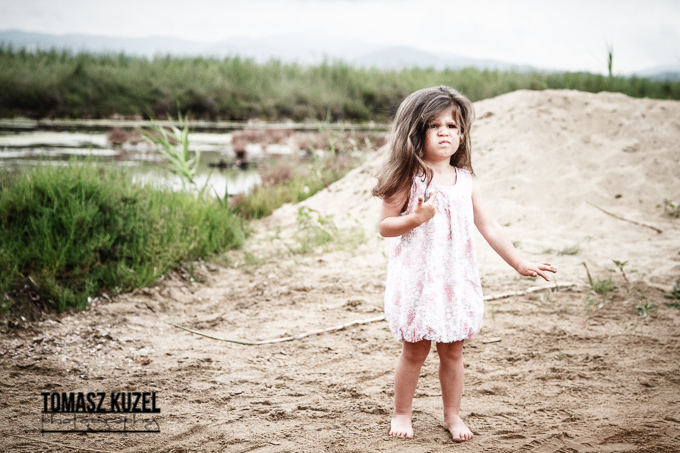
541	159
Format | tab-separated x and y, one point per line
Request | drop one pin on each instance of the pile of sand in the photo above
541	159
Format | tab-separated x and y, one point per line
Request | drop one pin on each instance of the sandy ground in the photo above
552	371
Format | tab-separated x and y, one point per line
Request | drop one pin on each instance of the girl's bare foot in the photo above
459	431
401	426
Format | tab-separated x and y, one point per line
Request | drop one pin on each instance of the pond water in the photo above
146	165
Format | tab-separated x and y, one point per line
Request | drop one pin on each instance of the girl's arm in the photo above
392	224
499	241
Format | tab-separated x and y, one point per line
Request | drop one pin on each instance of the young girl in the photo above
430	202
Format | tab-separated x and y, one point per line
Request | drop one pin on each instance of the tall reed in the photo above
62	84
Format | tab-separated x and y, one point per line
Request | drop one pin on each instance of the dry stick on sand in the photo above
533	289
627	220
61	445
280	340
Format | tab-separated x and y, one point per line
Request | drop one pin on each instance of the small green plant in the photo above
603	287
314	230
621	265
644	307
675	292
674	295
174	147
610	59
569	250
598	287
670	208
173	144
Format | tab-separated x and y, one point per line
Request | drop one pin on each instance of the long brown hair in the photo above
405	155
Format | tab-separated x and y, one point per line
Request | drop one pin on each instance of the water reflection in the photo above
144	163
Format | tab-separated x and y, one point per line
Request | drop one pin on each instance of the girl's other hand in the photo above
424	211
529	269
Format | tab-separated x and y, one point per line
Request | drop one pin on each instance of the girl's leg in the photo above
451	379
405	379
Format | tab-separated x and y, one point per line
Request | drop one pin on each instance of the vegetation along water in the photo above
85	85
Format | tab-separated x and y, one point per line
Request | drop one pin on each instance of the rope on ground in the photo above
280	340
627	220
533	289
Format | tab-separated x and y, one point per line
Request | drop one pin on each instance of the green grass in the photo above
303	179
644	307
603	287
569	250
675	294
86	85
78	230
317	231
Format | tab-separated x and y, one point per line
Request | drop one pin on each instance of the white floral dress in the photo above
433	290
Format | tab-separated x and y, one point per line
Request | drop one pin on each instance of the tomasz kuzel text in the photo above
100	402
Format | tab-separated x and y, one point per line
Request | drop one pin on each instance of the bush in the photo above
78	230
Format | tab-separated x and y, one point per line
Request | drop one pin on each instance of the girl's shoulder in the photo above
465	174
464	171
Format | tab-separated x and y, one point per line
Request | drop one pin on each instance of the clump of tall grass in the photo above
291	181
317	231
87	85
77	230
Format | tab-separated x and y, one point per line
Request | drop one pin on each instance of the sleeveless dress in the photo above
433	290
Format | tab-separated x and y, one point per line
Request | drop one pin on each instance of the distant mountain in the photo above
301	49
288	48
404	57
666	72
93	43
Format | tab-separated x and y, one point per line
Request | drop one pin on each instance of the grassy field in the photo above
66	85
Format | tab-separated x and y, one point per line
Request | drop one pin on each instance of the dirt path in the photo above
561	378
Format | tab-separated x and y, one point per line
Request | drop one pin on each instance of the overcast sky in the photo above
567	35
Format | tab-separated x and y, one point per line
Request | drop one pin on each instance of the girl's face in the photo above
442	138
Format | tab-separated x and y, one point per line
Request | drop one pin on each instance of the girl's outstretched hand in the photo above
425	211
529	269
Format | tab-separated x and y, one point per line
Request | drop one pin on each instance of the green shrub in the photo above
79	229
